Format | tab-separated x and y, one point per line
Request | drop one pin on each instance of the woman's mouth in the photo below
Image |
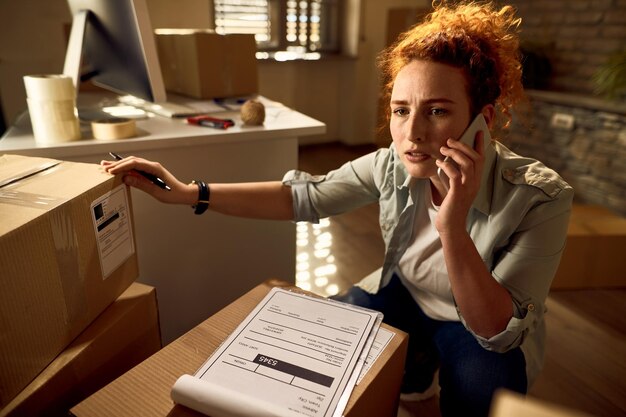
413	156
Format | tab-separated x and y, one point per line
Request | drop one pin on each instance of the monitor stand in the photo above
74	53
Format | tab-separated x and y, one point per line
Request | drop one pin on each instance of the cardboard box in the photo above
126	333
376	396
67	251
202	64
512	404
593	256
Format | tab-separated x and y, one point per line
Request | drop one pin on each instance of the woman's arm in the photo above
262	200
521	276
486	306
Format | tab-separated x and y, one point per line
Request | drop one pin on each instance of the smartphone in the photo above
468	137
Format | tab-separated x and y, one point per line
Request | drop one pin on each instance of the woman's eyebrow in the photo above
428	101
439	100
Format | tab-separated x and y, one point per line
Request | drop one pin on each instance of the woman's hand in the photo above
180	193
464	184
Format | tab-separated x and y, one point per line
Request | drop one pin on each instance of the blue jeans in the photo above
468	373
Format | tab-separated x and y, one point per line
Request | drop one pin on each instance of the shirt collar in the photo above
402	179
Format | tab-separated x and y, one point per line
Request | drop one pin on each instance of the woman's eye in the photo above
400	111
437	111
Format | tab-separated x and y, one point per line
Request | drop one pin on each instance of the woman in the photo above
468	264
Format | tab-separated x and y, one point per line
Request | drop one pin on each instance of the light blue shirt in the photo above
518	222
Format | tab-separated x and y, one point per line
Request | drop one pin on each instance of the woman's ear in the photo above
489	112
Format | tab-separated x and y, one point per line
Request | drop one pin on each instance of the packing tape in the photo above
114	128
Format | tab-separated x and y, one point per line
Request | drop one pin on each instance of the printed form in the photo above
294	355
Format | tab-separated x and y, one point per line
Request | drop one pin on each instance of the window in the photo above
296	26
245	16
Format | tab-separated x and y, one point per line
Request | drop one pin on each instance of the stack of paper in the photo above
294	355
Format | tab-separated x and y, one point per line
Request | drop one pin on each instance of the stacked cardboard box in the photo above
126	333
67	251
202	64
596	238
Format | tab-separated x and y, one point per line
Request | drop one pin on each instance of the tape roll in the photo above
114	128
49	87
51	103
53	121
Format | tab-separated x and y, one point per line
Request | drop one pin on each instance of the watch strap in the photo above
204	192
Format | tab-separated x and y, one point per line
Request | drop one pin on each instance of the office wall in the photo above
340	91
181	13
31	41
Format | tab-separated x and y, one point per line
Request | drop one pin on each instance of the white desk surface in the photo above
159	133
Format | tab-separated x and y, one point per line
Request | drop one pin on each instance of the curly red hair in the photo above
476	37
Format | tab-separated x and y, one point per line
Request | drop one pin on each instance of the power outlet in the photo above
562	121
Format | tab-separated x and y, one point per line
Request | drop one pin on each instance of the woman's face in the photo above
429	105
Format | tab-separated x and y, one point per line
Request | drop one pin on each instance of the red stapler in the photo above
208	121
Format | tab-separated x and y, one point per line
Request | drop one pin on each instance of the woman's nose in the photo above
415	130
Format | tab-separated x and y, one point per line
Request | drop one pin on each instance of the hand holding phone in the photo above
468	137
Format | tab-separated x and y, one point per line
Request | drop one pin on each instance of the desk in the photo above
145	389
198	264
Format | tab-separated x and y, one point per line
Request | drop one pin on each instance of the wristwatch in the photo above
204	192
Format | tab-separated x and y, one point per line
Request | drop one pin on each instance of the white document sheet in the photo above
383	337
354	378
294	355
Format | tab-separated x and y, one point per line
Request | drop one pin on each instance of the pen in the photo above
153	178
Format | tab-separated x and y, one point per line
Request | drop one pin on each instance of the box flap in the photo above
15	167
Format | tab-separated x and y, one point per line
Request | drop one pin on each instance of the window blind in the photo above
244	16
288	25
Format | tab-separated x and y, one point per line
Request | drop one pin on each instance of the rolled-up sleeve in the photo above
509	338
302	206
346	188
527	266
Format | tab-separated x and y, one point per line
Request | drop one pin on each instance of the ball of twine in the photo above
253	113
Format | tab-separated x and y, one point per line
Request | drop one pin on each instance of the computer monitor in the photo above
115	39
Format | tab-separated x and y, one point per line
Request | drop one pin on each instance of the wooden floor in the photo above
585	366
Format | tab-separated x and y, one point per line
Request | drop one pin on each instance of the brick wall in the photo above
576	35
582	138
